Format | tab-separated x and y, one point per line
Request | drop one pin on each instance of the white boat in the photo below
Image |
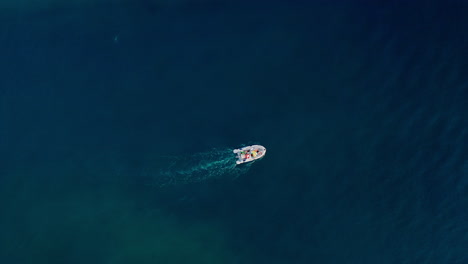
249	153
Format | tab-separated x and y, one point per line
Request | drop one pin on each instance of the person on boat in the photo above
244	155
254	153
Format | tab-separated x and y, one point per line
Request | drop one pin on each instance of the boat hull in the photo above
249	153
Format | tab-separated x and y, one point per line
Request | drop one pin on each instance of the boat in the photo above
249	153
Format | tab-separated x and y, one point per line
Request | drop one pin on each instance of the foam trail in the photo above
175	170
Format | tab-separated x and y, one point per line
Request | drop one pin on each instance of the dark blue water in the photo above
362	107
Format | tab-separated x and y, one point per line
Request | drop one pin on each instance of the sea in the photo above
118	120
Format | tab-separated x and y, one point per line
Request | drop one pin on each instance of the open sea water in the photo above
117	122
